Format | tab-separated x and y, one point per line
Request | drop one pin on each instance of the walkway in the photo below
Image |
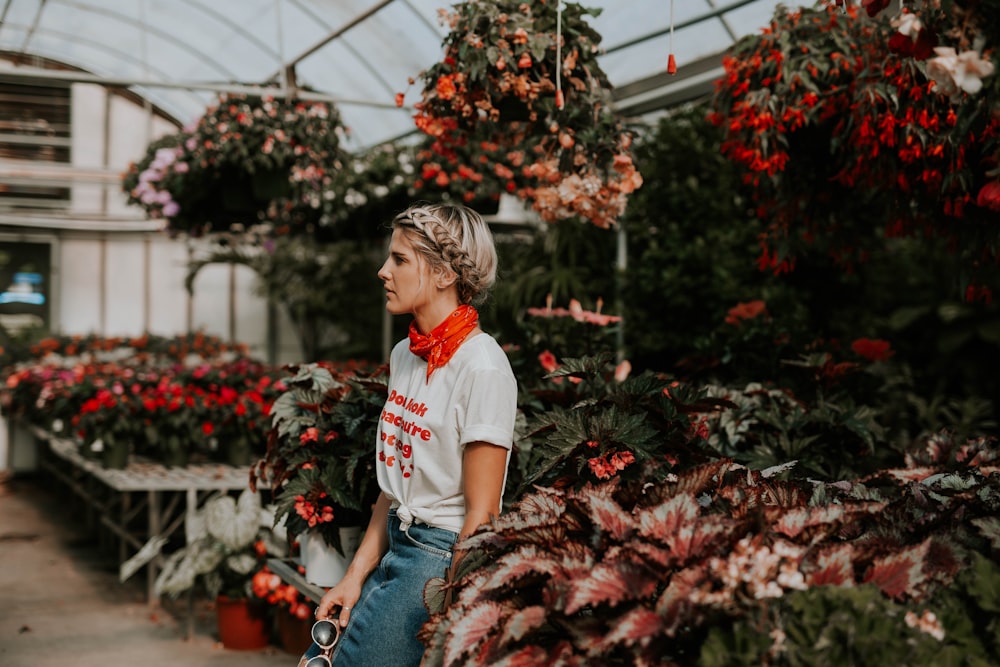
61	602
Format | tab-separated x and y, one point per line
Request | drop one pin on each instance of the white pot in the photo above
324	565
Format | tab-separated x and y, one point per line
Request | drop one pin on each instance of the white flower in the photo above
953	72
908	24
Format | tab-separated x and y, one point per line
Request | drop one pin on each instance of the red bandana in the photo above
437	347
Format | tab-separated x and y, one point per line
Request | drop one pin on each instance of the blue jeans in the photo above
382	630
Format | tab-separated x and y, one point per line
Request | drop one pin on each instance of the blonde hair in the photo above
455	238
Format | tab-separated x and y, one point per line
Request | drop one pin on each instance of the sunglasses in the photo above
325	633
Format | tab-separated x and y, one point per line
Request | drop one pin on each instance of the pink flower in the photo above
622	371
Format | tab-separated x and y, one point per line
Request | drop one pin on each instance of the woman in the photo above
444	437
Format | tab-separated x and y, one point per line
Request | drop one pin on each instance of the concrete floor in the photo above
61	602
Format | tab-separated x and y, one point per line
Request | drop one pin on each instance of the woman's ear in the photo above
445	278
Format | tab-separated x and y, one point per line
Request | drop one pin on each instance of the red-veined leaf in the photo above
529	656
691	541
650	552
675	601
611	583
609	517
470	630
517	564
524	621
900	573
636	626
662	521
833	566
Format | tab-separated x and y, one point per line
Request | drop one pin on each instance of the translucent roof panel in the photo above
179	54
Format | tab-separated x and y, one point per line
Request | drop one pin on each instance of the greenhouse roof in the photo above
179	54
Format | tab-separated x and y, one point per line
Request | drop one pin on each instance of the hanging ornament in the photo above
671	61
560	100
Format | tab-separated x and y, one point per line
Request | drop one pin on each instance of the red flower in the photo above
548	361
989	196
745	311
872	349
208	428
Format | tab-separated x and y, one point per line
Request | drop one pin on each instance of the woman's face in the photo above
405	276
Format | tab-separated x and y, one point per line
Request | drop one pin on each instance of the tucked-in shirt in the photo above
425	426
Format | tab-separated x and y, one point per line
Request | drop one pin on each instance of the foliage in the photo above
850	135
226	544
248	160
329	290
319	461
501	119
654	571
691	240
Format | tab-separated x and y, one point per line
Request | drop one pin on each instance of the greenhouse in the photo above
399	332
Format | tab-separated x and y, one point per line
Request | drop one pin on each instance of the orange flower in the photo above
446	87
525	61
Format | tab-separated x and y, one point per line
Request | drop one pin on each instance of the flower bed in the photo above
170	400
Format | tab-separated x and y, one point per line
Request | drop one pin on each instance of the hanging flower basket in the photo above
247	161
519	104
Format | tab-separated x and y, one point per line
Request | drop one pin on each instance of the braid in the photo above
454	238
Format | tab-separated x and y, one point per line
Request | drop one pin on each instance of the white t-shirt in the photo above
424	427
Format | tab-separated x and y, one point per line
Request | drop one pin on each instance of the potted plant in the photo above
520	104
294	611
320	461
228	541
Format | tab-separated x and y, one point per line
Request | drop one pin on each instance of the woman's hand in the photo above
373	545
343	596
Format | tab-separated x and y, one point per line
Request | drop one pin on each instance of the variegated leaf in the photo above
662	521
989	527
512	567
529	656
469	631
676	599
636	626
651	553
234	523
901	573
609	517
609	583
524	621
833	566
694	540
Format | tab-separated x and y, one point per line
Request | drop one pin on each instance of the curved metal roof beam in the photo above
714	14
141	25
347	45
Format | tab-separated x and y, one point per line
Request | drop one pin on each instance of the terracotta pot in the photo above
242	626
294	632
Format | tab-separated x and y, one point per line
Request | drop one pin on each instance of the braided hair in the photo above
453	238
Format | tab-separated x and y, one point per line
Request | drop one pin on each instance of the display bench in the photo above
141	506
